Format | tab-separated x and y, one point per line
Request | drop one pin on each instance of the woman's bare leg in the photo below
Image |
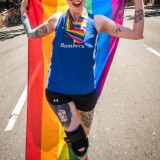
68	117
86	119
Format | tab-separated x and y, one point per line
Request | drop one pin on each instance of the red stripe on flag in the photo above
35	87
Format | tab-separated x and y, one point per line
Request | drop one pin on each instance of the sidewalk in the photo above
11	32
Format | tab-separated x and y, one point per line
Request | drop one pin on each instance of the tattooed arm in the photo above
43	29
104	24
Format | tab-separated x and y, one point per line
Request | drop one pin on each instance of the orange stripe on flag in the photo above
50	125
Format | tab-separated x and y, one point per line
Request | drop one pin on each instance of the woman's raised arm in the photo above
104	24
43	29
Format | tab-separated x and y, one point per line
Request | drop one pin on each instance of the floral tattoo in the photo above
87	118
138	16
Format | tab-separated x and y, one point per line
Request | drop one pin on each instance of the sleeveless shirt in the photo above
72	64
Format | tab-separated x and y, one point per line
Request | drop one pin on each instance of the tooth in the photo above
77	2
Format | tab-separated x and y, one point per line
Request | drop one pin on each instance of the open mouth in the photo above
77	4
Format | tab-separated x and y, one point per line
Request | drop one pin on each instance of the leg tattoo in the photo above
64	114
87	118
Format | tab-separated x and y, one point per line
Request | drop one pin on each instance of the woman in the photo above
70	88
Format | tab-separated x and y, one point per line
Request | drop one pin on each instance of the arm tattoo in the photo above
116	30
33	33
138	16
39	32
26	25
64	114
87	118
50	20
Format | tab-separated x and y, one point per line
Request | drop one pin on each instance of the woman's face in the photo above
76	5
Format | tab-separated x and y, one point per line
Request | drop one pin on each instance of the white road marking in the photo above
150	48
153	51
15	113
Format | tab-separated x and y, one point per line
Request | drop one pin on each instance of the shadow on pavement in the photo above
150	11
4	35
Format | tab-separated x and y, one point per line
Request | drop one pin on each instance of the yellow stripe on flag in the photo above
62	6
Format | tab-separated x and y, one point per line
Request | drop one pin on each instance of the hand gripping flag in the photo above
44	138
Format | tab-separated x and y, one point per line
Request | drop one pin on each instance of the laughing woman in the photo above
70	88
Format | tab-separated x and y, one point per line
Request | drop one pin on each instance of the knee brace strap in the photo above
77	139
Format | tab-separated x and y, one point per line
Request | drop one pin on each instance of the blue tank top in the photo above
72	64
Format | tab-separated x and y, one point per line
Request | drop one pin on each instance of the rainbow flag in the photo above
44	138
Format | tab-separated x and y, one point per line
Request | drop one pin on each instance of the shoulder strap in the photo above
60	20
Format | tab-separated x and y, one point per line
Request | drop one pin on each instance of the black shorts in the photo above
84	102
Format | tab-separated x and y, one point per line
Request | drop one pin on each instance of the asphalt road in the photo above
13	75
126	125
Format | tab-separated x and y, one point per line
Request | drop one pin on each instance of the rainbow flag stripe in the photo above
44	137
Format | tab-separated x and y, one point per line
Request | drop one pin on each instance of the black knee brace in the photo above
77	139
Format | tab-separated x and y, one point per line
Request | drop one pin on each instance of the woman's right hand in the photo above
24	5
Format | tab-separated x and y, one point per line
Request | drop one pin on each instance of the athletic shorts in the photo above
84	102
